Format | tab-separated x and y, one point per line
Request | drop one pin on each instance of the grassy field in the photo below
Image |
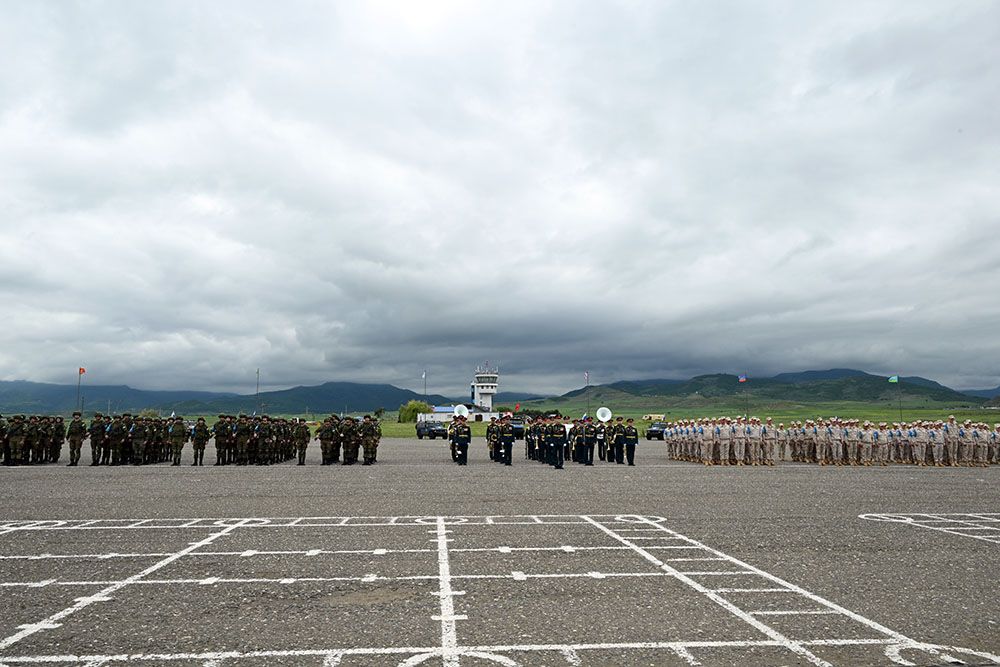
779	411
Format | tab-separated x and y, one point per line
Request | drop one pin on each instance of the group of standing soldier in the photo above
137	440
336	434
553	440
837	442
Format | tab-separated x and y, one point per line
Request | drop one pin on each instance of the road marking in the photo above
449	634
716	598
943	523
630	533
86	602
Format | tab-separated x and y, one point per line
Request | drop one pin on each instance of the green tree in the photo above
409	412
379	414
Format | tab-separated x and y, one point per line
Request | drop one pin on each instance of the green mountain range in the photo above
805	387
40	398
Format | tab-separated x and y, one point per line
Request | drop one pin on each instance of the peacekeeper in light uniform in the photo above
769	440
739	440
852	442
706	436
784	437
752	432
980	437
865	438
880	444
727	436
966	449
995	443
951	433
921	438
936	437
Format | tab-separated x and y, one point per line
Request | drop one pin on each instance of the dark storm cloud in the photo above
363	191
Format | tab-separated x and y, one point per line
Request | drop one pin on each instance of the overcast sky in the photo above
359	191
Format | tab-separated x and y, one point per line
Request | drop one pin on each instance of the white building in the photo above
484	387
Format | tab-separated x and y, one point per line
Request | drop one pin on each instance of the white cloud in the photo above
360	191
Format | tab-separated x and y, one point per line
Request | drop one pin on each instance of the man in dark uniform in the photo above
589	442
463	437
491	439
616	445
631	438
506	439
556	441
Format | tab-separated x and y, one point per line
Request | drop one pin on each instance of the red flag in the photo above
82	370
517	407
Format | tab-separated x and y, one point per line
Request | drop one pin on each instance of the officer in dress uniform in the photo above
505	437
462	437
630	436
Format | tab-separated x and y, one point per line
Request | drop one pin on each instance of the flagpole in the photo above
79	379
257	394
899	399
588	393
425	385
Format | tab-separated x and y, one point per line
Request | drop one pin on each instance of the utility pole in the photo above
257	394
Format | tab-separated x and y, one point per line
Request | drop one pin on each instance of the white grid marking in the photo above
621	528
953	524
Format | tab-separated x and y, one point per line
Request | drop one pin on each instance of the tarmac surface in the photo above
417	561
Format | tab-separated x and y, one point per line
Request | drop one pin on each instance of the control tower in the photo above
484	387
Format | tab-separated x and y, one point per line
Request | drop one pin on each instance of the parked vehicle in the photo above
656	430
432	430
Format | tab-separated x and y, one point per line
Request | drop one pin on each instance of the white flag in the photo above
423	376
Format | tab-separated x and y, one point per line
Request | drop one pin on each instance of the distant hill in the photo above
804	387
20	396
811	376
35	397
510	397
983	393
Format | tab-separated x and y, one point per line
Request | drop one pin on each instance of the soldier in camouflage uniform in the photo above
370	434
222	431
326	434
177	433
138	435
56	439
349	434
16	436
4	444
200	435
244	433
302	436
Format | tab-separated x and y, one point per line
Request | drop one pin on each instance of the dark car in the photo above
431	430
656	430
518	425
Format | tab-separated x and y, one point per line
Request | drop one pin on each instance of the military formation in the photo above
833	442
552	441
138	440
